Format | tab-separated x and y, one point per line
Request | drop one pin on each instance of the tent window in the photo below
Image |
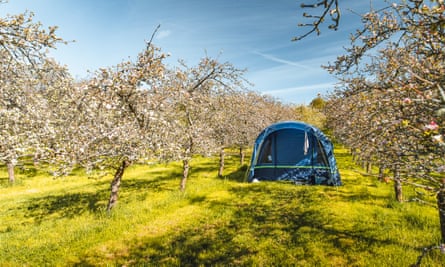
284	147
320	159
266	151
290	146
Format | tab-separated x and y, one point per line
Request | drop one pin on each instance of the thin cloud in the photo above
301	94
320	86
163	34
280	60
286	76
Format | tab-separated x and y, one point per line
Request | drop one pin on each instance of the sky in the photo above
251	34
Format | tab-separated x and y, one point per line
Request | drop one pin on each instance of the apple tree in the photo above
393	93
23	77
193	98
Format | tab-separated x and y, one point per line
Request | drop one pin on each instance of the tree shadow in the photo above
237	175
27	170
266	220
151	180
4	181
68	205
71	205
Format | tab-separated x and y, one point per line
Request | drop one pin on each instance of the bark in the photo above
354	154
381	173
115	184
242	155
185	174
11	173
36	160
369	167
398	185
441	206
221	162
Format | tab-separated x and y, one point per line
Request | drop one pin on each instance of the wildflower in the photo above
432	126
407	101
438	139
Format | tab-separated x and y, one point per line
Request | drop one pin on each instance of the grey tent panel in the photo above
293	151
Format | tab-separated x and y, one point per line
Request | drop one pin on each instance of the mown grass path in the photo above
62	222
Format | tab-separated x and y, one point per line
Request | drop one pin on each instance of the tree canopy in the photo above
390	101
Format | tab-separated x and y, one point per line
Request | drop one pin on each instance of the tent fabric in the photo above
293	151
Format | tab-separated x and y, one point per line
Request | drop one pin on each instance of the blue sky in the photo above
251	34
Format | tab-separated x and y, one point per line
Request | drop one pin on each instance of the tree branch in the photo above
333	13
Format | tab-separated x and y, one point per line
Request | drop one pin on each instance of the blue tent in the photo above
293	151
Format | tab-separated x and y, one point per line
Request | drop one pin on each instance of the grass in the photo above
217	221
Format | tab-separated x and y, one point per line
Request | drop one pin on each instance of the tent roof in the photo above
293	125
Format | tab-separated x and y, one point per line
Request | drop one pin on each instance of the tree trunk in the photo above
354	155
185	173
381	173
241	155
441	206
115	184
398	185
36	160
221	162
11	174
363	163
369	167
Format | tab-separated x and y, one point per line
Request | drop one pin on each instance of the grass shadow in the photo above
75	203
68	205
4	182
153	180
237	175
277	223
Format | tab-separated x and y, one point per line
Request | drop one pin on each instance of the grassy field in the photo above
217	221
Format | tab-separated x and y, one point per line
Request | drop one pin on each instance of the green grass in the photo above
217	221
